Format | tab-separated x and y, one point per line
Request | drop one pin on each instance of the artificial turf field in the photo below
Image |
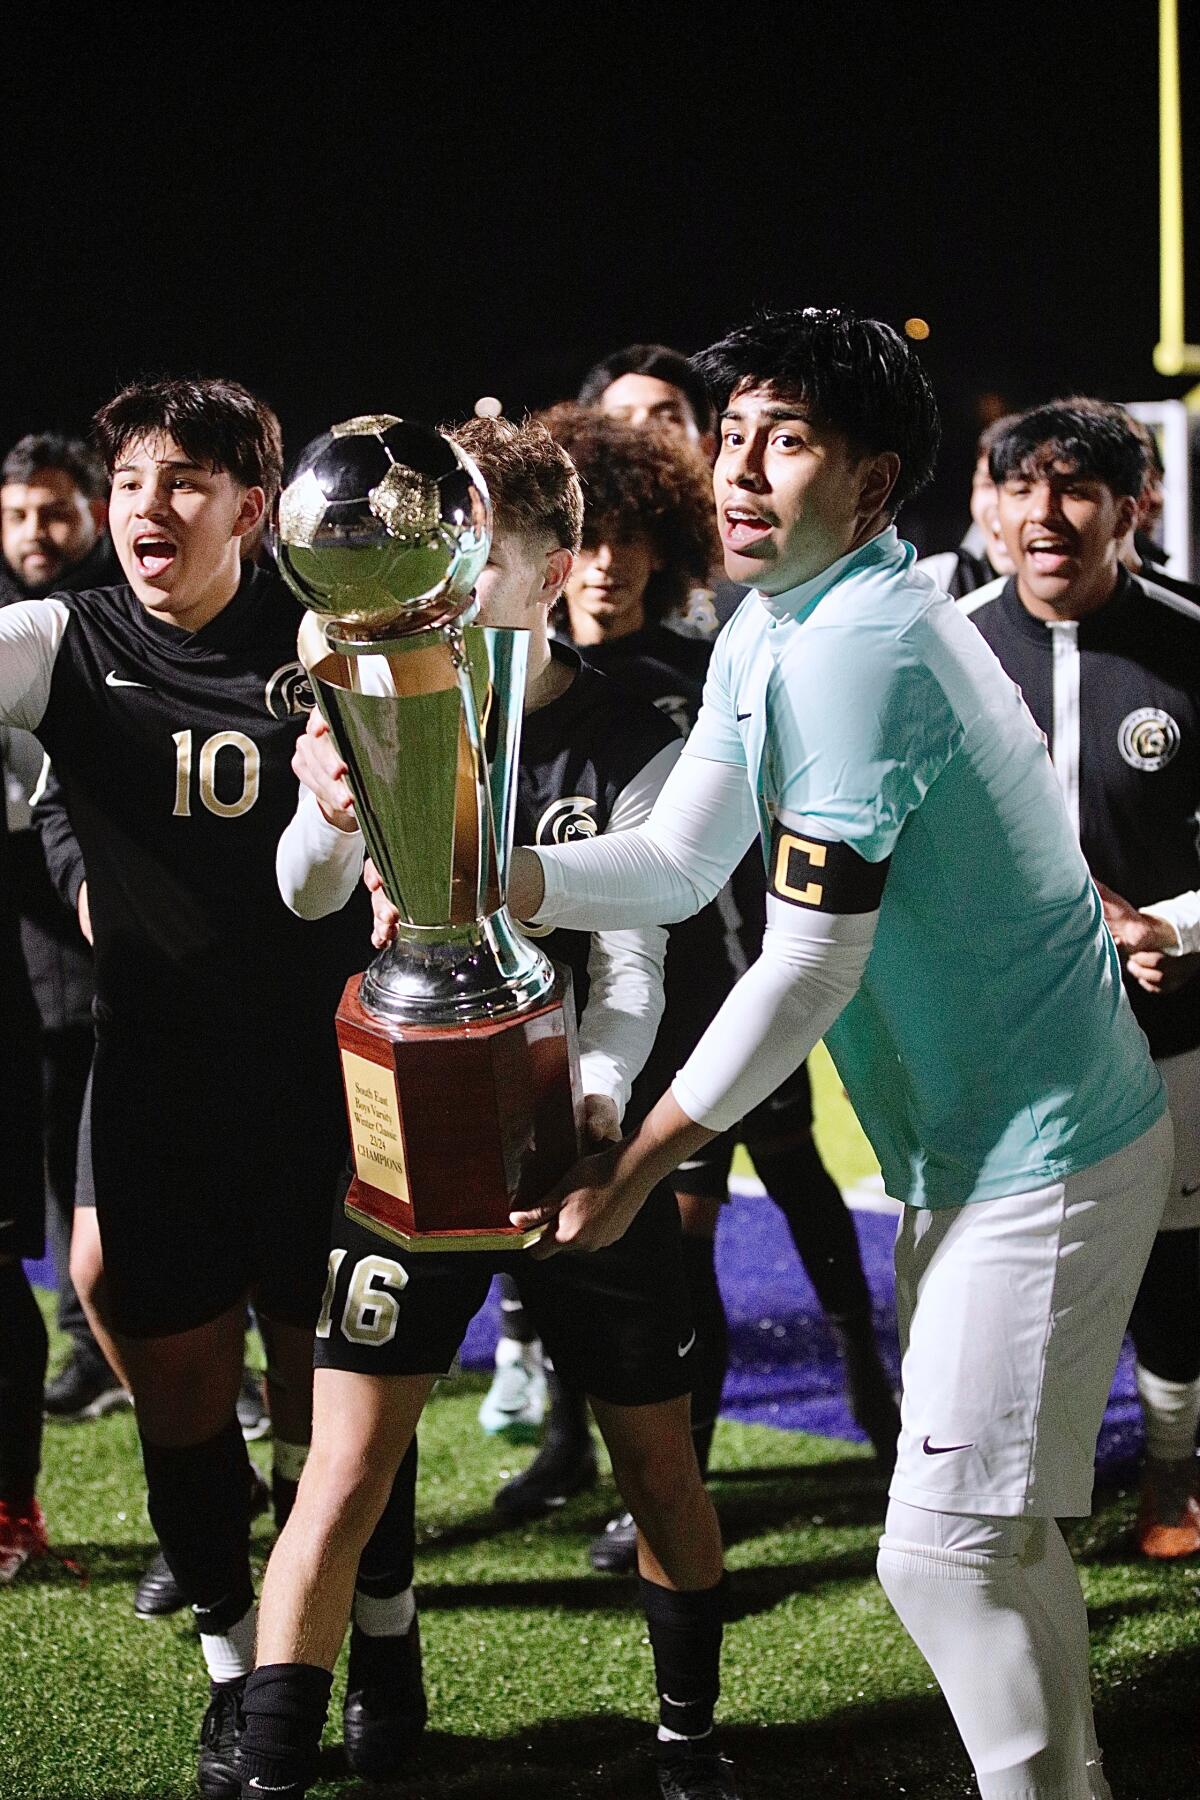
538	1671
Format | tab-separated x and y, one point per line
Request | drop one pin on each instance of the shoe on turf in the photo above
84	1388
1168	1525
252	1414
385	1710
158	1594
217	1773
691	1769
515	1404
614	1552
22	1538
561	1468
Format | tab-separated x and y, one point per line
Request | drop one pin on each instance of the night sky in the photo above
401	209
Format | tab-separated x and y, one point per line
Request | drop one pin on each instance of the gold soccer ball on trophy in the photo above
383	529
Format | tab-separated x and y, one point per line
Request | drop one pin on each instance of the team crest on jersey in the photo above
1148	738
676	709
567	821
289	692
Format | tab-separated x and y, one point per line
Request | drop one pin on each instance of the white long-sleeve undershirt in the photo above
679	859
1182	913
30	634
809	969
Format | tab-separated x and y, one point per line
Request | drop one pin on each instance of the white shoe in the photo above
515	1404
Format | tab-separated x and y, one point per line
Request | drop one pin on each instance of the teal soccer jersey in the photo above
990	1048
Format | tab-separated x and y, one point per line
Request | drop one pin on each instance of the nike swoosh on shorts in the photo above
944	1449
682	1349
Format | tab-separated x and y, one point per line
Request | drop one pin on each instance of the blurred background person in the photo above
981	555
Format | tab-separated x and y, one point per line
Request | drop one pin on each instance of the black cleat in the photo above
386	1709
614	1552
692	1770
84	1388
158	1594
561	1468
217	1772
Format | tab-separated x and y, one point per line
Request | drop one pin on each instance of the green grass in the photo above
538	1671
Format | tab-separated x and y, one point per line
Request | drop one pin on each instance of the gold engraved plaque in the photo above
375	1125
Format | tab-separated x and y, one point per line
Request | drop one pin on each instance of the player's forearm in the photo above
623	1012
773	1017
666	870
317	866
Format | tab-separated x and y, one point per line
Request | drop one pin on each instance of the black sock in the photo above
385	1567
284	1708
711	1355
1165	1326
515	1322
820	1223
567	1421
685	1636
199	1503
283	1498
23	1350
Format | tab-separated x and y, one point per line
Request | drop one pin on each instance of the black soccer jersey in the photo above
174	751
1118	697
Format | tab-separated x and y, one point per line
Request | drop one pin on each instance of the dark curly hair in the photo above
215	422
641	481
1094	439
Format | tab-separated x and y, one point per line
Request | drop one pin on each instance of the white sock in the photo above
666	1736
1172	1412
232	1654
390	1617
964	1590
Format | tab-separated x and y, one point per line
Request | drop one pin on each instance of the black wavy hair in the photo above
53	450
649	359
216	422
853	375
1090	438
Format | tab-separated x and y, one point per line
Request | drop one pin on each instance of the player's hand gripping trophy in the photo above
458	1044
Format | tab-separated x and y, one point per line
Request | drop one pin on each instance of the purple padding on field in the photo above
783	1369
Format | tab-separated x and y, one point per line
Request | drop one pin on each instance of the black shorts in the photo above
214	1165
616	1323
780	1119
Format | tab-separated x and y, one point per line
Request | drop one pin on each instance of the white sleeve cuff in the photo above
317	866
1182	913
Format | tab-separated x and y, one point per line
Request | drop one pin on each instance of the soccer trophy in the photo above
458	1043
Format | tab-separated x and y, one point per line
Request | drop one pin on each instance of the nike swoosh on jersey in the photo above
112	679
682	1349
742	717
944	1449
5	1223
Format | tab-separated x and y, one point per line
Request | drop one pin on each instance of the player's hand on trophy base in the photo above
320	767
593	1205
384	913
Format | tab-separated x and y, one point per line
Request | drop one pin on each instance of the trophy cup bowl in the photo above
458	1043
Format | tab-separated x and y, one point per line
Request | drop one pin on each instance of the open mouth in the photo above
153	555
742	528
1048	556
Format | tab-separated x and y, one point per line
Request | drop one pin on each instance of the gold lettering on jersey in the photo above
814	855
375	1125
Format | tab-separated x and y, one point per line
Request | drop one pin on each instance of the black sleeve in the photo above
60	847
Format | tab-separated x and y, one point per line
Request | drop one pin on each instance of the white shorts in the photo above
1182	1077
1011	1315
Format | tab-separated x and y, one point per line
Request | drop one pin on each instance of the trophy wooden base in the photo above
451	1128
